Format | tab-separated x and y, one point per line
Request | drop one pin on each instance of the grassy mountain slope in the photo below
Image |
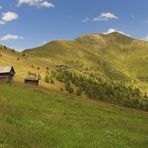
111	57
121	55
33	117
87	50
57	52
14	58
125	52
112	61
111	68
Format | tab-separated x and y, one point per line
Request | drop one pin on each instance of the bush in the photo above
51	80
38	68
13	51
23	54
61	89
32	66
68	87
47	78
79	92
70	90
5	47
39	76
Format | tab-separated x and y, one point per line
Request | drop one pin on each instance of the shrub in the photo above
61	89
32	66
51	80
13	51
23	54
5	47
67	86
38	68
39	76
70	90
47	78
79	92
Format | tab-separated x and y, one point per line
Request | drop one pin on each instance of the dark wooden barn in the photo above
32	81
6	74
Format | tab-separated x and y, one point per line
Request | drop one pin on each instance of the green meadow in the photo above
59	113
38	118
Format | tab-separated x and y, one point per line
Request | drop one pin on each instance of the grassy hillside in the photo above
14	58
119	52
124	52
112	67
33	117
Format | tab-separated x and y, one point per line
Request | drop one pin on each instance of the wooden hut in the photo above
32	81
6	74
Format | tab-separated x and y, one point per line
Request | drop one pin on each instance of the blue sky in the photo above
30	23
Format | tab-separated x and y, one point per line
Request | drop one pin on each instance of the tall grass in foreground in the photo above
30	117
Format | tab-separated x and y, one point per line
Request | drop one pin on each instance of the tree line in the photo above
116	92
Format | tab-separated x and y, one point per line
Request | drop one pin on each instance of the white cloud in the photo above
11	37
29	2
105	17
38	3
1	7
111	30
46	4
9	16
2	22
146	38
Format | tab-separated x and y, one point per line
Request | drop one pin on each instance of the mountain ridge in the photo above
91	34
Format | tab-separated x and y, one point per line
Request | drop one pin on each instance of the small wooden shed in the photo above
6	74
32	81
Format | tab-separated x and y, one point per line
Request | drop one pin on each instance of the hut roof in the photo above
32	79
6	69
